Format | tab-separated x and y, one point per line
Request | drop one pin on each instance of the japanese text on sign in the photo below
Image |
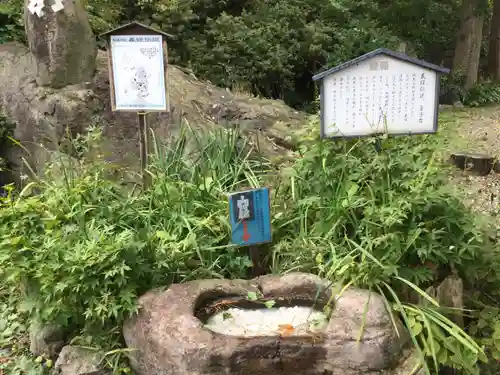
381	95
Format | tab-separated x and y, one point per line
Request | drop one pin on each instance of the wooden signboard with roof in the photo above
138	61
137	64
381	92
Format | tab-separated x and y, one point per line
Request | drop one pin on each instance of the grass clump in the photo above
87	245
387	222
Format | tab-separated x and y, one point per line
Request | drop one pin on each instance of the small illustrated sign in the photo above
381	92
138	72
250	217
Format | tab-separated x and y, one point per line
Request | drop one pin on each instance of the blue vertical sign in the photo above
250	217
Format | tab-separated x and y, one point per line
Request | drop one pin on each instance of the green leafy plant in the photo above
11	21
388	222
253	296
15	358
85	247
482	94
488	326
25	365
88	243
11	324
484	325
114	356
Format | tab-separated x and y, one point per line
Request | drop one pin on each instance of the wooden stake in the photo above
143	146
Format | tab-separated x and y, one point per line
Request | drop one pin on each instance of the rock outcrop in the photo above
46	339
169	337
61	42
74	360
42	114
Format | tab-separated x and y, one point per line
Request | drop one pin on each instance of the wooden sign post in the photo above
250	218
137	62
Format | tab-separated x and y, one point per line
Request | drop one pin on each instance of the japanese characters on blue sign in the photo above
250	217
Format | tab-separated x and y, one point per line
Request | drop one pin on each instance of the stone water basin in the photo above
244	317
212	327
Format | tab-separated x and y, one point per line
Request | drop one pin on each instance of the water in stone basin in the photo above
284	321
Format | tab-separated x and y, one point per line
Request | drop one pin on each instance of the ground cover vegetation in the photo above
80	251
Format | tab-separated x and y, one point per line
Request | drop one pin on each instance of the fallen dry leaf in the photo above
286	329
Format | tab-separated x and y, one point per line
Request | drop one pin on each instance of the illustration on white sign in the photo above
139	82
36	6
138	72
243	208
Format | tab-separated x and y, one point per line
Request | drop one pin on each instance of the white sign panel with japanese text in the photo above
379	95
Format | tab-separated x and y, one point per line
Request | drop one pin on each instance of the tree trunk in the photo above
468	46
494	47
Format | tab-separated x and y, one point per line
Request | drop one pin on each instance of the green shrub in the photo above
85	247
397	204
11	21
452	88
483	93
387	222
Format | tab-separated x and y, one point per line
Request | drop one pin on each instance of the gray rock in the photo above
74	360
450	294
458	105
445	107
407	364
170	340
62	44
41	114
46	339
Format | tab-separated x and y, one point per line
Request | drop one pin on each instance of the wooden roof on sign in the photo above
134	26
382	51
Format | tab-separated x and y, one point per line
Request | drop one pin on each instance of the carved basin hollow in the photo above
254	315
184	331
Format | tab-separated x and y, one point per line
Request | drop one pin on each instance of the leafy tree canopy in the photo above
273	47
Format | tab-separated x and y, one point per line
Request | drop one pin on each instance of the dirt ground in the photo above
474	131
